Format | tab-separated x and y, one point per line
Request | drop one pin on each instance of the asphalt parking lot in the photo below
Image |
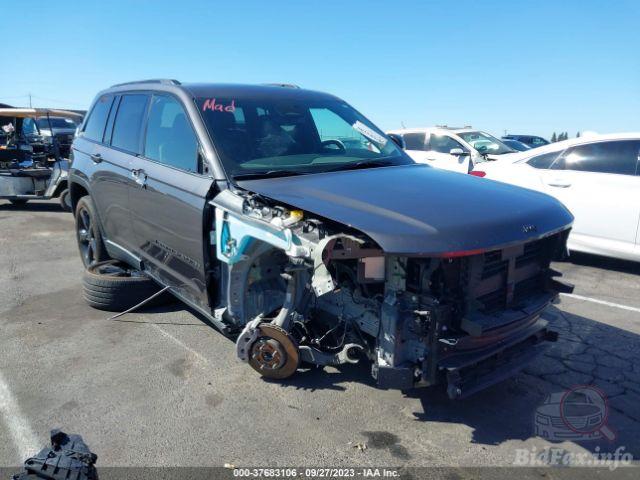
161	387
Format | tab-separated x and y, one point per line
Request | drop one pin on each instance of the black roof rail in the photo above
283	85
162	81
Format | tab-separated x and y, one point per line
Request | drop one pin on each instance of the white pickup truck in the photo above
456	149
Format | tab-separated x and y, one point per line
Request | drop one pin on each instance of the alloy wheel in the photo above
86	237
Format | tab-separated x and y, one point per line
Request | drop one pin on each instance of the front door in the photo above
599	185
439	154
168	201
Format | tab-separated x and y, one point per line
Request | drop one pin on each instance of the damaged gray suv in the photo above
294	224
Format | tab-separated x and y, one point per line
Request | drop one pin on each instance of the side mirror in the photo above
396	139
458	152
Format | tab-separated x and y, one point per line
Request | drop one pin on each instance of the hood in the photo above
419	210
58	131
501	156
505	158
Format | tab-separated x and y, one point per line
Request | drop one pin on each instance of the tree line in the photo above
561	136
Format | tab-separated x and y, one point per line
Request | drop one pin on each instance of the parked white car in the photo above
596	177
457	149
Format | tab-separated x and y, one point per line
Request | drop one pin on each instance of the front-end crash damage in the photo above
302	289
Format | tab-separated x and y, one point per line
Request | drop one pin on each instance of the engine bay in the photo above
302	290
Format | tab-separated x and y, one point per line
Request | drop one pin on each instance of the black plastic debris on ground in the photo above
68	458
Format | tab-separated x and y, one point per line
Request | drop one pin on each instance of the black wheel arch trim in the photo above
64	184
85	185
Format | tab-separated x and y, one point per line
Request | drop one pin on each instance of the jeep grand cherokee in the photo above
291	221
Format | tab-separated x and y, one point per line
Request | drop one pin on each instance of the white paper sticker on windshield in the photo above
369	133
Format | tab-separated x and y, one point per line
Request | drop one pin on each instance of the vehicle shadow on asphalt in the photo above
33	207
587	353
328	378
172	305
604	263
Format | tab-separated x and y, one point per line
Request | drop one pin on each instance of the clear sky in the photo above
521	66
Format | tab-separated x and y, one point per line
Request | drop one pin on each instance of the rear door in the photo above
106	170
599	185
168	201
123	134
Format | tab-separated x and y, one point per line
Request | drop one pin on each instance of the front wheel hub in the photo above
274	354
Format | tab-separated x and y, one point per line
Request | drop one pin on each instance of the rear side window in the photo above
94	129
619	157
543	161
128	124
414	141
170	138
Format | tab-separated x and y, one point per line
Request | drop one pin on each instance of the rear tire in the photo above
88	235
114	287
65	200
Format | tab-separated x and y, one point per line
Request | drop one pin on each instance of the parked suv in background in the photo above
288	219
530	140
457	149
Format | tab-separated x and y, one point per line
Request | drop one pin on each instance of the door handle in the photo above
140	177
559	183
96	157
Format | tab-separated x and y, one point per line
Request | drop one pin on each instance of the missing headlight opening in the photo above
304	290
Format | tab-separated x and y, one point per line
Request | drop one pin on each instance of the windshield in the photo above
485	143
275	136
516	145
56	122
29	127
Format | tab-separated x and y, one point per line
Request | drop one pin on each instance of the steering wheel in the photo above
341	148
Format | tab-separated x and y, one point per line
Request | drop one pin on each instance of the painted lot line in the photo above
601	302
24	440
180	343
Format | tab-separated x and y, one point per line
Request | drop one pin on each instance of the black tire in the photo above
90	244
19	202
114	287
65	200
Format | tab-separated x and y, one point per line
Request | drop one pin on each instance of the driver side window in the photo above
543	161
615	157
444	143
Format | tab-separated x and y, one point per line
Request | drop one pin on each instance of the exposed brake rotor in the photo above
274	354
